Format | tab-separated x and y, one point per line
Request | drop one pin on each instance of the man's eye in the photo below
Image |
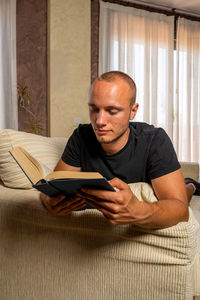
113	112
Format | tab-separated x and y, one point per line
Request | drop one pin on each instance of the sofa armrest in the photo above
190	169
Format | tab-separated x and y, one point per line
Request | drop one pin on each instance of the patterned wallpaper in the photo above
32	65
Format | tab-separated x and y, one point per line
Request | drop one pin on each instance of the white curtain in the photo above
8	88
187	101
141	44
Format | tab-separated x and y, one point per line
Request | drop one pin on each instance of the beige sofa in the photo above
81	256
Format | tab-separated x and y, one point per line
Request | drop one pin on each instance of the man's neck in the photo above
117	145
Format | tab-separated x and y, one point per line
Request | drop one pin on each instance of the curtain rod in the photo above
166	11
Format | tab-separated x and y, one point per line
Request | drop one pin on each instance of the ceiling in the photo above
190	6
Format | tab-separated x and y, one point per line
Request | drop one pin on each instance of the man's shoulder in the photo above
140	128
84	133
83	129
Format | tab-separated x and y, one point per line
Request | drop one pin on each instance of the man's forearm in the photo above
161	214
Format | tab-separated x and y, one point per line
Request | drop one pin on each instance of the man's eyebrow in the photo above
107	107
114	107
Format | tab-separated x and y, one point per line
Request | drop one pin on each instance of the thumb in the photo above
118	183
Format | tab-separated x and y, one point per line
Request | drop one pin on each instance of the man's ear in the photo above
134	110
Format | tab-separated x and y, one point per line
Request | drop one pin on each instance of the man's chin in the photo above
104	140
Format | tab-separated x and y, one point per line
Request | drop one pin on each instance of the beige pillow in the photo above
143	191
45	149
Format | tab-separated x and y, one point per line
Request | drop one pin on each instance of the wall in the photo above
69	64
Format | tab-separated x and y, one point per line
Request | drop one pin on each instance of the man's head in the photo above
111	106
117	75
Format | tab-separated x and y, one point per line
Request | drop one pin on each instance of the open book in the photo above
58	182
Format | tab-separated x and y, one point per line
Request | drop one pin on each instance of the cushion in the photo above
47	150
143	191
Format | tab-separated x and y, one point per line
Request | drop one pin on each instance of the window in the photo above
141	44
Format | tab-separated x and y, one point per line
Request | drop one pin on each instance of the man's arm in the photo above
62	166
59	205
123	207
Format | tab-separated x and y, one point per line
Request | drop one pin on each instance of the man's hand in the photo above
62	205
118	207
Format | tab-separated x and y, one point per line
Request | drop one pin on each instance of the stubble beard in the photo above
115	139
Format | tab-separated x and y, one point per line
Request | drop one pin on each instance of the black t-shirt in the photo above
148	154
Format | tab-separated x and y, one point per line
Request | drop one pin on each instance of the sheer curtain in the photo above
187	101
8	89
141	44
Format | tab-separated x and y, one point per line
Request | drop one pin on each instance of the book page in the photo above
30	166
73	174
46	170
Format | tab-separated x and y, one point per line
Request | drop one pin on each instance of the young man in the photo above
124	152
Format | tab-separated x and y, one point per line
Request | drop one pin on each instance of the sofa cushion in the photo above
47	150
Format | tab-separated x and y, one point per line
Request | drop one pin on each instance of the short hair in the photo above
114	75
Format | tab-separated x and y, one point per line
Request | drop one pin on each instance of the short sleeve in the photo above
162	156
71	154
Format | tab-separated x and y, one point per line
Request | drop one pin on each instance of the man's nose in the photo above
101	118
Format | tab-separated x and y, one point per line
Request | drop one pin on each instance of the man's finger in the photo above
118	183
66	211
53	201
94	194
68	204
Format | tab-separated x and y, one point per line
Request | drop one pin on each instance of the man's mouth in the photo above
101	131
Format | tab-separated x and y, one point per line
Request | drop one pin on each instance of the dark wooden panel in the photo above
32	61
94	38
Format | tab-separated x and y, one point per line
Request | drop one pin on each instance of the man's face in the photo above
110	110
